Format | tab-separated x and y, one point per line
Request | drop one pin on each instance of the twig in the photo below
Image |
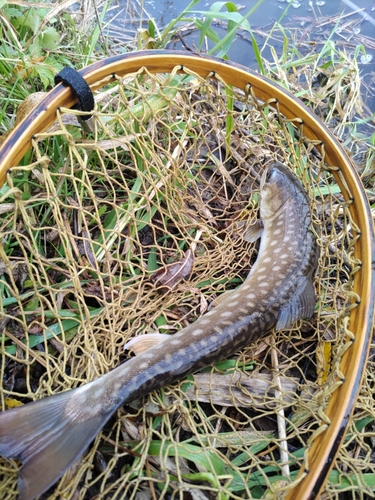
37	357
283	445
359	11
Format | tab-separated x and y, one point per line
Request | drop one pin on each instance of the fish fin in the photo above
300	305
254	231
48	436
143	343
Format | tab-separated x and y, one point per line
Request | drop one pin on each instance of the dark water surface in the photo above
309	22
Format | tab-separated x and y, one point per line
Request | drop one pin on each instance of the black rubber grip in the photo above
71	78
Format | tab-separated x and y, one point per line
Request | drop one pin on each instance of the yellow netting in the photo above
86	222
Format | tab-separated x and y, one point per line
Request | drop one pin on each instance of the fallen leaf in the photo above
12	403
256	390
169	276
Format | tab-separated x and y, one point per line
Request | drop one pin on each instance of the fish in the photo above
51	434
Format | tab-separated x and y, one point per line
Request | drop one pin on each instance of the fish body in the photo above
49	435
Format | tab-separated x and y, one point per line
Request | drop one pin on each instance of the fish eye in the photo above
269	174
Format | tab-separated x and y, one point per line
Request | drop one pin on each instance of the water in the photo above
310	22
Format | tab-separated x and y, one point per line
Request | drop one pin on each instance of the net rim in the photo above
323	451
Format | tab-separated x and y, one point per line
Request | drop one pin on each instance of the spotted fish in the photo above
49	435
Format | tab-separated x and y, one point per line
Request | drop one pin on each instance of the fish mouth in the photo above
276	168
263	179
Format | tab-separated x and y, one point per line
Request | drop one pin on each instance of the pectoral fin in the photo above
143	343
301	305
254	231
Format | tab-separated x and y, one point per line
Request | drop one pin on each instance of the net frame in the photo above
353	362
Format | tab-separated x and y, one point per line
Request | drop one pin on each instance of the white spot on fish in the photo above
226	322
175	342
249	304
204	321
225	314
96	409
117	387
132	385
100	392
267	259
277	231
157	369
244	286
250	295
143	365
264	283
148	354
197	331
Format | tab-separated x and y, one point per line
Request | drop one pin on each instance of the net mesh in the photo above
171	176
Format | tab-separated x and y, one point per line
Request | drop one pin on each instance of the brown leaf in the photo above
35	329
101	293
173	273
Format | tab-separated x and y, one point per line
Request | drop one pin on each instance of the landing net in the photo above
171	176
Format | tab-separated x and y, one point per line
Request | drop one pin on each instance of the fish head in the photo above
277	186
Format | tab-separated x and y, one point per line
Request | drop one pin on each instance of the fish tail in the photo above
49	435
